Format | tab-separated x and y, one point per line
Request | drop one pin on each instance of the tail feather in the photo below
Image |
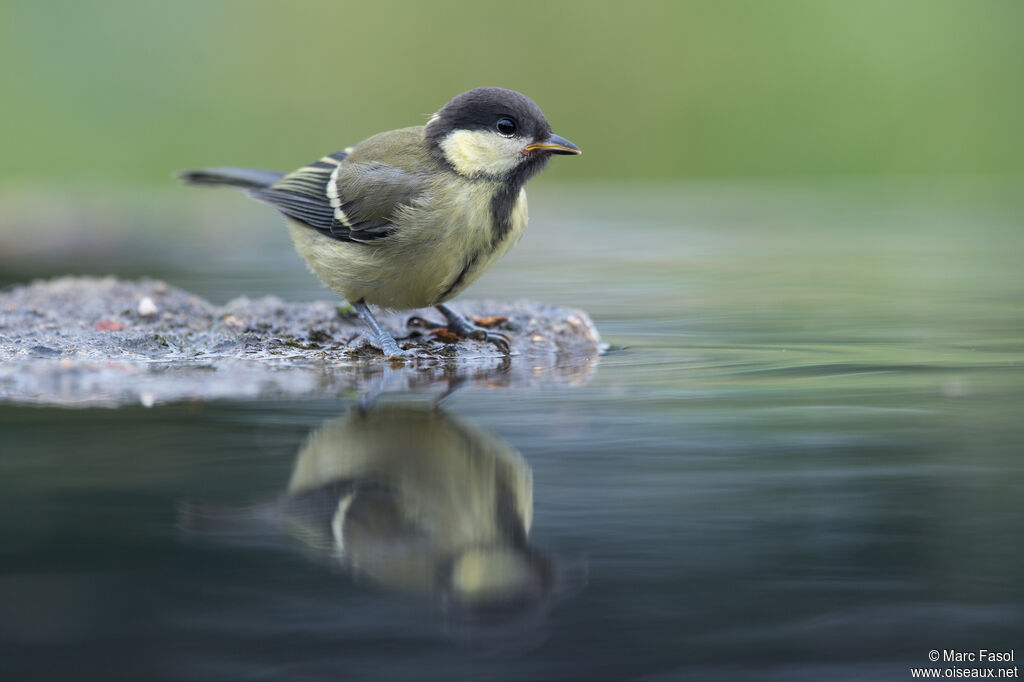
253	520
246	178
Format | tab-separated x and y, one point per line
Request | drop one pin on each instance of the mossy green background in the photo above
128	92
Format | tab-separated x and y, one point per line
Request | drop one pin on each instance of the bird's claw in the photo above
500	340
453	332
468	330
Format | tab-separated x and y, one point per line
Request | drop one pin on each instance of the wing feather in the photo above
348	201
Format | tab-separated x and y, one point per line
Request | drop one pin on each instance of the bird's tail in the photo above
245	178
253	520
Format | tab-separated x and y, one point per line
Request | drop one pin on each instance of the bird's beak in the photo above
556	144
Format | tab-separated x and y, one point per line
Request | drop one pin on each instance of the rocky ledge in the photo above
83	340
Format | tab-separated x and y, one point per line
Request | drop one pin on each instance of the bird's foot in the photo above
389	347
446	335
465	329
383	340
459	327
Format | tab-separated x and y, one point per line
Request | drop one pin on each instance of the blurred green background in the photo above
128	92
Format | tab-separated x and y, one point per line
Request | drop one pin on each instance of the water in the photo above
799	460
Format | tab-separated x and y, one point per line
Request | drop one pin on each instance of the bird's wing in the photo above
348	201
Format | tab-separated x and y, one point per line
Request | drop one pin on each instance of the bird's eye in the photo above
506	127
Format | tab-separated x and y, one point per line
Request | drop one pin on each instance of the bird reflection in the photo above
420	501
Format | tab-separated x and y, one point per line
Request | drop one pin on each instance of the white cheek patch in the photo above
482	152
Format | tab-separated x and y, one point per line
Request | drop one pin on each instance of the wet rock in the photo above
106	341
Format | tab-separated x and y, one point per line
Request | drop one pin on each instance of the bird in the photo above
414	499
409	218
423	502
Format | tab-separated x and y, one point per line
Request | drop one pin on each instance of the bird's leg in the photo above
454	384
385	341
457	324
369	395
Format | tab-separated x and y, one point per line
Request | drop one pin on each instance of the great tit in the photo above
421	501
416	500
411	217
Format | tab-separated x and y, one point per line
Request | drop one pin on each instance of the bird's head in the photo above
494	133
